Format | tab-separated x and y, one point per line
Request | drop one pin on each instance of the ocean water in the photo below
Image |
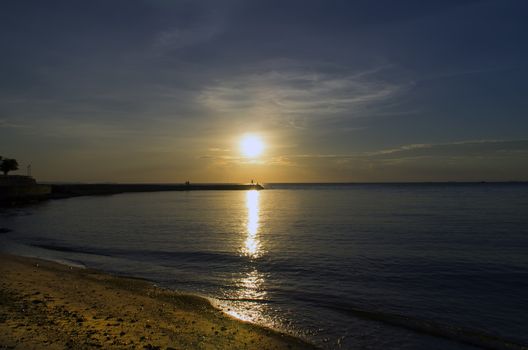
399	266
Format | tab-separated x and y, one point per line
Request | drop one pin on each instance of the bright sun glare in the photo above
251	146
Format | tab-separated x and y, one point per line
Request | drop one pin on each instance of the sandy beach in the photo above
48	305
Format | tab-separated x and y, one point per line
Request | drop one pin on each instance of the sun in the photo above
251	145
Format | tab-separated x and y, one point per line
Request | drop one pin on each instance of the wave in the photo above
459	334
464	335
247	300
149	255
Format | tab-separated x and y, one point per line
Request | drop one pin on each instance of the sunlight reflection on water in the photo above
252	244
250	296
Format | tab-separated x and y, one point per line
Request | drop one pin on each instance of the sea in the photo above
345	266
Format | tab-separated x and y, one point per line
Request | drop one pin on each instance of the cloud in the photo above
227	160
413	153
471	160
297	95
4	124
459	149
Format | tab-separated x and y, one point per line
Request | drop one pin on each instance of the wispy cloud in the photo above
465	148
227	160
4	123
458	149
298	95
441	153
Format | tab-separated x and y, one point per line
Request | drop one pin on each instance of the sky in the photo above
339	91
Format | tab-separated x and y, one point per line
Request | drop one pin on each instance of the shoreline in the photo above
46	304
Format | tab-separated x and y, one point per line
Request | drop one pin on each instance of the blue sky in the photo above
161	91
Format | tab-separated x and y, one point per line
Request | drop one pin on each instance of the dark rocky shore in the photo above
16	189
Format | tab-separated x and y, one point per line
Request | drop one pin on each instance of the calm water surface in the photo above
346	266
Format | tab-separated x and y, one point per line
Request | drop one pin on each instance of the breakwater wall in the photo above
74	190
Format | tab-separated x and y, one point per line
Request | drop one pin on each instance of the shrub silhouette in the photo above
8	165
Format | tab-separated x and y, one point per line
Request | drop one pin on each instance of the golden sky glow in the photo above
168	98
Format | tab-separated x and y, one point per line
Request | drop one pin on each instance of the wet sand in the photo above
53	306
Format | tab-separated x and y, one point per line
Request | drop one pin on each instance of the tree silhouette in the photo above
8	165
